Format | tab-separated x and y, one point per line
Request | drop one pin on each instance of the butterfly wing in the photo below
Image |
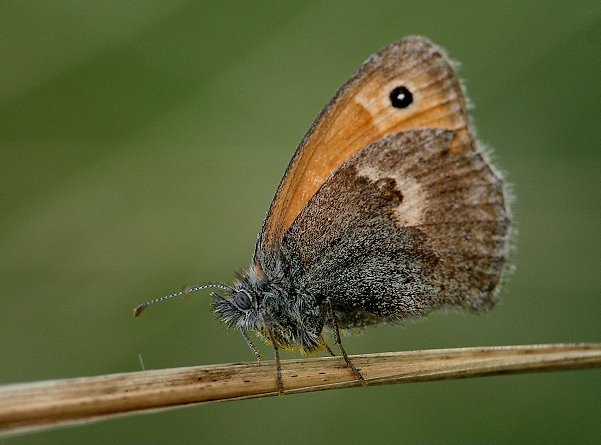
360	113
406	225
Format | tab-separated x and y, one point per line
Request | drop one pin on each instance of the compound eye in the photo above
242	300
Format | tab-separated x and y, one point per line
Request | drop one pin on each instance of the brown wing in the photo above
402	228
361	113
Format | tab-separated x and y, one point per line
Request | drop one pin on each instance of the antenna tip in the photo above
138	310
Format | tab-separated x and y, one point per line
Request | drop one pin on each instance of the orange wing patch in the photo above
361	113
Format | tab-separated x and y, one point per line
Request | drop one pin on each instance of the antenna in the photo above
138	310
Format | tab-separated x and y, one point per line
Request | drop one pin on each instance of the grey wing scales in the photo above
403	227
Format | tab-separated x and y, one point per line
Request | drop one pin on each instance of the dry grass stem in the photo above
38	405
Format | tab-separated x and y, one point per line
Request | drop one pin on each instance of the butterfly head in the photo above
287	318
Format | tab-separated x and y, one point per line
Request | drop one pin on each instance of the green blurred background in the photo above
141	143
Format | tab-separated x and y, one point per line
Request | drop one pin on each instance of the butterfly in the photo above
388	210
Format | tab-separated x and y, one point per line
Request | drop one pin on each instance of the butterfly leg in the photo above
251	346
278	364
329	349
347	359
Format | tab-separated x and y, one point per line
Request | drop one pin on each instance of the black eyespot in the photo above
401	97
242	300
